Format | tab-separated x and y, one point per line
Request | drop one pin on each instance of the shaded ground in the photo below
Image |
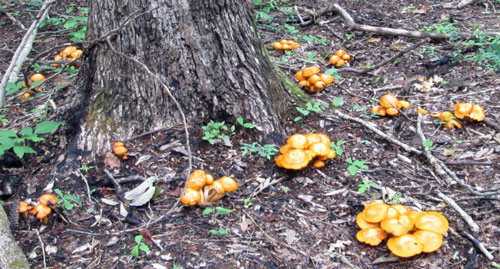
307	218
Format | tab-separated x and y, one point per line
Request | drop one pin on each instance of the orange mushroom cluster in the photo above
42	210
389	105
286	45
449	120
378	220
69	53
119	150
300	149
469	111
339	58
34	78
202	188
311	79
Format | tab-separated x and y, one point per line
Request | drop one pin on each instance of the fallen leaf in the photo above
449	151
109	201
146	234
422	10
244	225
111	160
373	40
139	190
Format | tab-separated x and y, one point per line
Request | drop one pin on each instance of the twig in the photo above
86	184
468	219
463	3
492	124
374	129
266	184
23	50
477	244
14	20
298	15
390	59
118	188
43	248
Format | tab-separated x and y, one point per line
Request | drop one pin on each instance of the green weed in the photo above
66	199
139	246
266	151
355	165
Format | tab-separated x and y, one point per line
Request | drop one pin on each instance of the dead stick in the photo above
468	219
477	244
374	129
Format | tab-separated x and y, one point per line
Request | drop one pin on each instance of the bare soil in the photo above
304	218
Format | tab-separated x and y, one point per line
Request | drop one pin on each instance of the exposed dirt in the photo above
307	217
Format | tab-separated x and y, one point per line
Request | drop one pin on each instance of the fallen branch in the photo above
476	244
468	219
464	3
374	129
23	50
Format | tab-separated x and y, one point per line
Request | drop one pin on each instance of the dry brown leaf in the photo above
422	10
244	225
485	153
111	160
373	40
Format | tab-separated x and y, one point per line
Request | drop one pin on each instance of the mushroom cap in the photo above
77	53
48	198
41	211
340	63
334	59
317	137
404	246
197	180
432	221
363	224
24	207
430	240
304	83
285	148
278	45
403	104
445	116
313	79
371	236
37	77
191	197
397	226
319	149
462	110
318	164
375	212
346	57
294	159
391	111
421	111
120	151
392	213
118	144
340	53
378	110
477	113
452	124
309	71
327	78
388	101
402	209
228	183
319	85
67	51
297	141
209	179
298	76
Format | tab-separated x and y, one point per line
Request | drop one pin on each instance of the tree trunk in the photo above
207	52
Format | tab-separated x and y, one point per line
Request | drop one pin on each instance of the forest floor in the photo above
279	218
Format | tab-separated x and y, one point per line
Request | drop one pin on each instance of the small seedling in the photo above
310	107
365	185
248	125
266	151
214	130
207	211
65	199
220	231
86	168
337	146
427	143
286	189
139	246
247	203
395	198
337	101
223	211
355	165
291	29
348	36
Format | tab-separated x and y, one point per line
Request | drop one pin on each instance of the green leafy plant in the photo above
221	231
355	165
405	9
11	140
311	106
395	198
334	72
285	189
266	151
427	143
207	211
222	210
139	246
291	29
365	185
13	87
311	57
348	36
248	125
247	202
313	39
213	131
86	168
65	199
337	146
337	101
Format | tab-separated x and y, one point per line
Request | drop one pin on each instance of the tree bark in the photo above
11	256
207	52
